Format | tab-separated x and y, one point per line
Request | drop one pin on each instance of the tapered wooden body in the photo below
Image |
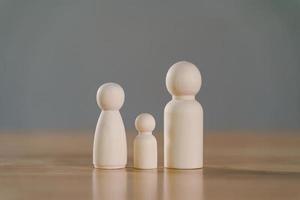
145	151
110	147
183	134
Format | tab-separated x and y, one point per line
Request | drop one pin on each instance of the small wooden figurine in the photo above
145	145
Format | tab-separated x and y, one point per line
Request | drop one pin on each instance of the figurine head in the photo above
183	79
145	122
110	96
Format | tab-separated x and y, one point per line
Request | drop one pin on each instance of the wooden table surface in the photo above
238	165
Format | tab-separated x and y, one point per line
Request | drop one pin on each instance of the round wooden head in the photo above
145	122
110	96
183	79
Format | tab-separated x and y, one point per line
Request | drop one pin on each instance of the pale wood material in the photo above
237	165
144	144
183	118
110	146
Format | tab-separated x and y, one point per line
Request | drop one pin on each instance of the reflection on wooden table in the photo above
138	184
58	165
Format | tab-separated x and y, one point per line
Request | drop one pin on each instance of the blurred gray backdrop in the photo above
55	54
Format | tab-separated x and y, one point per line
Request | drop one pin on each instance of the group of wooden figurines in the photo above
183	126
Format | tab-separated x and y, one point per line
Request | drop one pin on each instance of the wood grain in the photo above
238	165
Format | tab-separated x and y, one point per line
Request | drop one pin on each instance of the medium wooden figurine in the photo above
110	147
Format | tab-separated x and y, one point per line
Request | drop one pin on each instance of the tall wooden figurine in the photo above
183	118
110	147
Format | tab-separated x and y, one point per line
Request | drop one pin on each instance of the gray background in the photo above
54	55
